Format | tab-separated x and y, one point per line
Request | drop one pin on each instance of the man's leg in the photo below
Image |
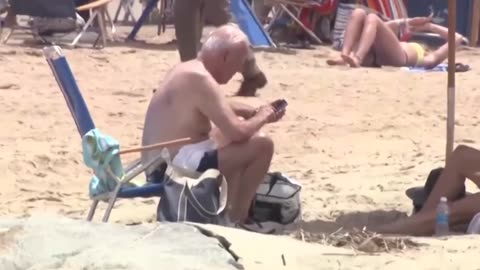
463	163
244	166
423	223
253	77
188	27
217	12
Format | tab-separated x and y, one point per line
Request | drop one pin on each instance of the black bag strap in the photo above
212	173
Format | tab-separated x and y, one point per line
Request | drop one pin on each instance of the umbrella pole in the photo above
452	19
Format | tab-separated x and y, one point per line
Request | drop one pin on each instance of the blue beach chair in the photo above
78	108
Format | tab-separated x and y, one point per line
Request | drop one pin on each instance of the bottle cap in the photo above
443	199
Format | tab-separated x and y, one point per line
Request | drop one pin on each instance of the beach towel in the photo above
459	67
100	153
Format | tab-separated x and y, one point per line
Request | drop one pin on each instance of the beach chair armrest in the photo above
133	164
92	5
136	170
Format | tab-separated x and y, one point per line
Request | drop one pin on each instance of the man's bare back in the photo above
173	113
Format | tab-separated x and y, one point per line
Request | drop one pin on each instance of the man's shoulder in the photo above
193	76
192	69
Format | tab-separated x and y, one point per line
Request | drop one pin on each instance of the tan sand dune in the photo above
356	139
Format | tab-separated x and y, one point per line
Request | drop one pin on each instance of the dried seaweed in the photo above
359	240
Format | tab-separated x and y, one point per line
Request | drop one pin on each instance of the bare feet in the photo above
351	60
336	62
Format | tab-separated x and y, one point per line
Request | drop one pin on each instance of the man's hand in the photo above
269	112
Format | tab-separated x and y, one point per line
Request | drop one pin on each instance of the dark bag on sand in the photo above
185	198
277	202
419	195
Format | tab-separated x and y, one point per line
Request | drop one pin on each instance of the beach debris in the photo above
9	86
360	240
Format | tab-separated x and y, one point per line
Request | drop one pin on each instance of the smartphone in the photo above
280	104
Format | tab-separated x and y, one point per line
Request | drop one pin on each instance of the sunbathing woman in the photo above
370	42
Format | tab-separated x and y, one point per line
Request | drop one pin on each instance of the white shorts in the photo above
197	157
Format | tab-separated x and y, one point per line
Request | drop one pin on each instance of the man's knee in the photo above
463	153
262	144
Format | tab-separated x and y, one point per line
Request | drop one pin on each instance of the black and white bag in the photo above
188	197
277	202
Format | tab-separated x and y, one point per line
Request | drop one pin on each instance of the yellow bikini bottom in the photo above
420	51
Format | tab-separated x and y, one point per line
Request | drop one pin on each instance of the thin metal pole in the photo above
452	23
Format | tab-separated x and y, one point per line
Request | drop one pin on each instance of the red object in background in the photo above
325	8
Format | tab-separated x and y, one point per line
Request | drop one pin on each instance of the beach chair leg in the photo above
111	202
91	212
84	29
117	13
101	24
308	31
130	12
110	21
127	7
9	34
145	14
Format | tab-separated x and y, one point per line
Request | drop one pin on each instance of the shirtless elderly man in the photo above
190	98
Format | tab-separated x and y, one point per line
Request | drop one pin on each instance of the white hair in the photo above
224	37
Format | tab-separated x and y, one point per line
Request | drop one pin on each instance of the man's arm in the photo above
241	109
216	107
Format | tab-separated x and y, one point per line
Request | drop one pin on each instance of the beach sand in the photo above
355	138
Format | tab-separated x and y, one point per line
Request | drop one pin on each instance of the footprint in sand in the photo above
35	53
360	199
43	198
116	114
128	94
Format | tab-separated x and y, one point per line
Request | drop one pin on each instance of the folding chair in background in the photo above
165	10
126	5
44	9
98	10
63	9
122	182
306	13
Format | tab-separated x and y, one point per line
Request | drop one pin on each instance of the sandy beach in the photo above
355	138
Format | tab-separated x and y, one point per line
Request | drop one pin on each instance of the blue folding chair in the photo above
78	108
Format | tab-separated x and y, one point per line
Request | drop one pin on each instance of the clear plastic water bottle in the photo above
442	221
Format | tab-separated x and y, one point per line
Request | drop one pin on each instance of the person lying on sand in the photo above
371	42
463	163
190	98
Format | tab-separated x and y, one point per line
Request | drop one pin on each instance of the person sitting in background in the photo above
189	100
371	42
463	163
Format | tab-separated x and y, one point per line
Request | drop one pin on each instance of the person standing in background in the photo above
189	19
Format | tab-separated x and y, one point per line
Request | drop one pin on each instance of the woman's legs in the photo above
352	34
377	35
353	30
